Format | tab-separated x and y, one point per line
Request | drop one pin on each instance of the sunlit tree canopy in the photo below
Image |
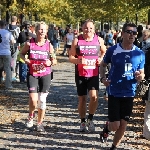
73	11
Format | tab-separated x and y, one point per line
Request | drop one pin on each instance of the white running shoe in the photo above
83	127
90	126
29	122
40	128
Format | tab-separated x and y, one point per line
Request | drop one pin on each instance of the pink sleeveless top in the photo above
38	55
90	51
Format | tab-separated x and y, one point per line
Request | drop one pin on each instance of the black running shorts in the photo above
85	84
119	108
38	84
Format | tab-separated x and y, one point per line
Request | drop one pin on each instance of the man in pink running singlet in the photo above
86	53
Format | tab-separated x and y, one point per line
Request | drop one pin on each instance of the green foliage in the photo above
73	11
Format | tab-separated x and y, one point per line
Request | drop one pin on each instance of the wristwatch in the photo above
101	79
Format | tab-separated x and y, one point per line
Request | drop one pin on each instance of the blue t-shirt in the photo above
6	38
124	64
110	38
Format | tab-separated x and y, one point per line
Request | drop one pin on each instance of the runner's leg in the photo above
82	96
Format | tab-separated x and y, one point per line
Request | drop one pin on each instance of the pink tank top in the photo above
90	51
38	55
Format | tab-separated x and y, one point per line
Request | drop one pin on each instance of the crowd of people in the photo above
31	51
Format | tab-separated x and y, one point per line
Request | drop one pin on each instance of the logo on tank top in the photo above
38	54
88	50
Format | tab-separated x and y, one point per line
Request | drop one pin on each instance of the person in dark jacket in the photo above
24	35
139	39
146	49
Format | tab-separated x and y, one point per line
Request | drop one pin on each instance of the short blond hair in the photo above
38	25
147	31
14	19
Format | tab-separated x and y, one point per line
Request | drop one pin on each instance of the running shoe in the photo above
104	134
29	122
90	126
82	127
40	128
14	79
2	80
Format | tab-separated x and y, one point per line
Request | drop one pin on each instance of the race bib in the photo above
90	64
38	67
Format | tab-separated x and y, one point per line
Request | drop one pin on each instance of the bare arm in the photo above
12	40
51	48
102	69
104	80
72	52
139	75
52	55
103	48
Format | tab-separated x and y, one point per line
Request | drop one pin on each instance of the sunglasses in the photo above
130	32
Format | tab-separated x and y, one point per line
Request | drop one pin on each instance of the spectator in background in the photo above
139	38
103	34
13	27
6	38
61	33
119	36
148	27
80	31
24	35
115	36
75	32
97	32
65	44
68	40
32	28
109	39
51	33
146	49
56	38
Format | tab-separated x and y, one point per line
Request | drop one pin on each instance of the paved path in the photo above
62	120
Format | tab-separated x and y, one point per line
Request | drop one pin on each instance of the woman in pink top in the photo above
40	58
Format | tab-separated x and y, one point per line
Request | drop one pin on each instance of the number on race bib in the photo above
90	64
38	68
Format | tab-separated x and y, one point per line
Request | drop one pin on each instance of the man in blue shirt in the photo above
127	67
6	39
